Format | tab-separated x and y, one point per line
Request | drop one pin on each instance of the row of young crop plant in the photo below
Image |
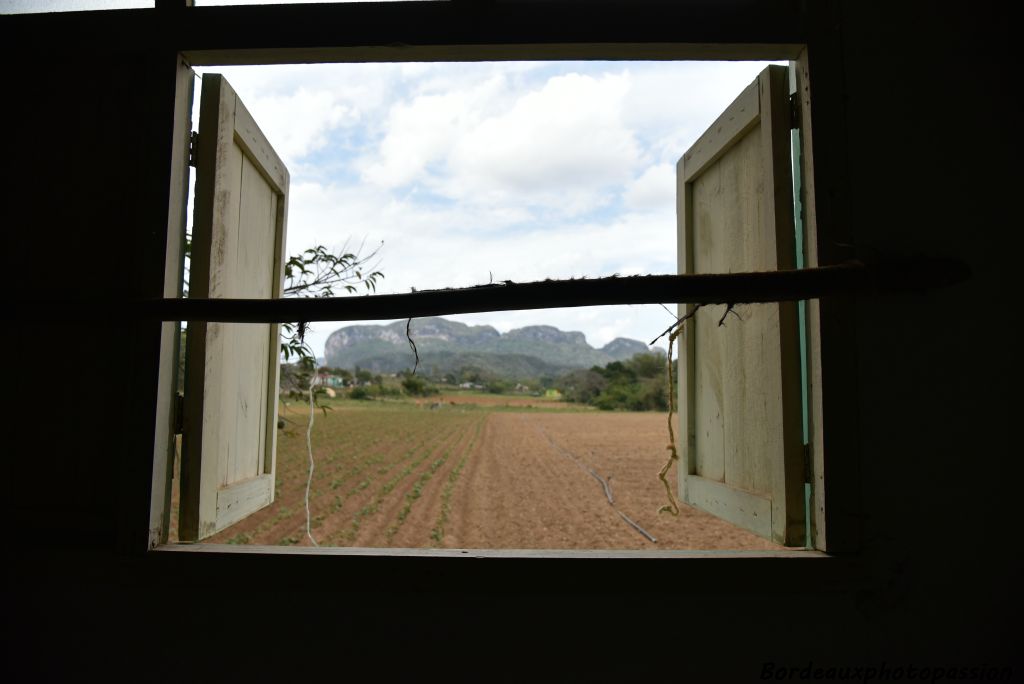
326	498
437	533
364	459
331	448
384	497
414	494
413	459
367	469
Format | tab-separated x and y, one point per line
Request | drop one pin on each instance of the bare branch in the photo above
679	322
729	309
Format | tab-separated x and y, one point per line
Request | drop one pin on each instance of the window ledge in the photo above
234	549
514	572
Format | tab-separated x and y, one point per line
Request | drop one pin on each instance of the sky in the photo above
469	173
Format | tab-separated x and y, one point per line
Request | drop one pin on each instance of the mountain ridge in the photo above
446	346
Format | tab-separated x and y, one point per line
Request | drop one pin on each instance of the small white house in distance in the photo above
329	380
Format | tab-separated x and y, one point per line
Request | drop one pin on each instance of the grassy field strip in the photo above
437	533
412	495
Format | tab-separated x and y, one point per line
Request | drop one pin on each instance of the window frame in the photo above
716	34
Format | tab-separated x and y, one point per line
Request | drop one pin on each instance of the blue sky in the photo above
469	172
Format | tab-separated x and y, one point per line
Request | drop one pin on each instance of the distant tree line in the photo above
637	384
358	383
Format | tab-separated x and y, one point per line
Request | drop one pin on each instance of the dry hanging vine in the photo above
412	344
674	331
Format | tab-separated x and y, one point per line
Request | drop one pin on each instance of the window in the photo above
698	465
729	472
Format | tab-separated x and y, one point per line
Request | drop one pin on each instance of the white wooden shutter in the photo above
739	392
230	422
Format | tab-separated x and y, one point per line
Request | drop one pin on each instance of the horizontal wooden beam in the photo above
850	279
432	31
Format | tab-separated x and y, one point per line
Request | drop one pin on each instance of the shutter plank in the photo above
739	384
233	368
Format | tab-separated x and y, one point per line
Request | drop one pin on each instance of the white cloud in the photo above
671	103
564	138
301	120
437	246
298	106
655	189
423	130
502	138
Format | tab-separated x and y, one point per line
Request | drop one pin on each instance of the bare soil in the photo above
529	487
480	476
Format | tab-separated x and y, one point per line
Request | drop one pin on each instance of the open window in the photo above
739	391
232	369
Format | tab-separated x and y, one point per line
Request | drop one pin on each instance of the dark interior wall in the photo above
86	216
930	172
922	162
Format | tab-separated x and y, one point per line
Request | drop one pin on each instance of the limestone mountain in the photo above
451	347
624	348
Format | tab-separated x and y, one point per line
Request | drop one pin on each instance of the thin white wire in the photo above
309	449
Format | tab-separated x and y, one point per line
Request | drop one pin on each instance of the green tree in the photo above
498	386
417	386
647	365
637	384
583	386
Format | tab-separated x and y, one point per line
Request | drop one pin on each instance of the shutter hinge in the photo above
794	110
179	413
193	146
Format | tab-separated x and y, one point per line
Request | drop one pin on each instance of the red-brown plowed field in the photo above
451	476
532	484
